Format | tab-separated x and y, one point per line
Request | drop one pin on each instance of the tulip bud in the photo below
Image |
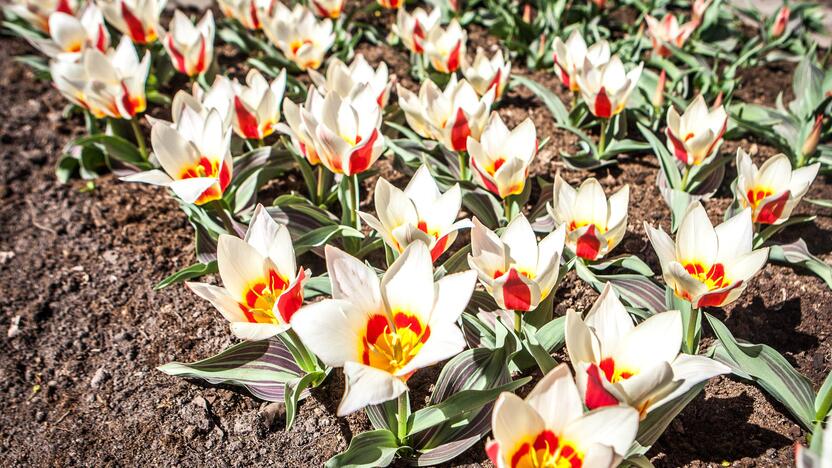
718	101
811	142
698	10
527	13
780	22
658	96
600	3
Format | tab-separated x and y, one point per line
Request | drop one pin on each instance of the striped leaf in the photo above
797	253
635	290
368	449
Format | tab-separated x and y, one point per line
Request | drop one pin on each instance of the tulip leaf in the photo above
771	371
323	235
262	367
483	205
115	147
538	352
761	237
823	401
657	420
383	415
368	449
549	99
191	272
294	390
635	290
797	253
630	262
666	160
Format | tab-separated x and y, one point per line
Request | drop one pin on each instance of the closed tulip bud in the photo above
302	137
658	95
527	13
391	4
811	142
328	8
570	57
345	80
191	47
257	105
38	12
606	87
668	31
137	19
445	47
550	428
778	27
693	136
501	158
707	266
486	74
412	28
70	35
601	4
698	11
301	37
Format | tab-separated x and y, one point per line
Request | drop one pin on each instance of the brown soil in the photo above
77	371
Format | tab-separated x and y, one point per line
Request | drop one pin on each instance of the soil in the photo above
84	330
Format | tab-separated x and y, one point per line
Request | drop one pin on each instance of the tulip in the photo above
501	158
640	366
708	267
449	116
69	35
778	27
299	35
412	28
191	47
485	74
70	79
570	57
302	139
38	12
517	271
257	105
550	429
263	288
346	132
247	12
606	87
417	213
693	136
820	456
601	4
698	11
446	47
381	332
137	19
594	225
219	96
774	190
658	95
391	4
195	157
812	140
344	80
328	8
668	31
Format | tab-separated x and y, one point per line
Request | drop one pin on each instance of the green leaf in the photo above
657	420
820	202
797	253
115	147
771	371
552	335
550	99
483	205
369	449
630	262
823	401
666	160
194	271
767	233
323	235
293	392
539	353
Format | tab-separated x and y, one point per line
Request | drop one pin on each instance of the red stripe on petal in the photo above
439	248
519	454
402	320
546	440
516	294
101	40
596	395
603	107
453	59
771	211
376	326
292	299
361	158
200	64
246	120
252	11
176	55
608	367
716	299
418	36
678	147
225	176
460	131
495	83
492	449
134	25
485	178
588	245
64	7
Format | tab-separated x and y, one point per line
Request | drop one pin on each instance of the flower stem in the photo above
319	188
518	322
353	202
137	132
403	410
462	157
685	177
602	139
690	340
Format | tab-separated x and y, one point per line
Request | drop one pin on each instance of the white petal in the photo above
657	339
613	426
407	286
556	399
696	241
332	329
353	281
367	386
609	319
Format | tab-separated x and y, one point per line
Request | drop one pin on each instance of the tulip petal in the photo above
696	241
332	329
257	331
613	427
354	281
445	342
522	243
556	399
657	339
609	319
407	286
239	265
453	292
513	421
366	386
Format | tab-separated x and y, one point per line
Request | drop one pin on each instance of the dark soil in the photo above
83	329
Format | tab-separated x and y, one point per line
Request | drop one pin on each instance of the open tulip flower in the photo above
299	35
449	116
257	105
247	12
606	86
412	28
594	224
417	213
195	156
191	47
302	138
328	8
346	132
486	74
517	271
668	31
694	135
70	35
381	332
774	190
136	19
38	12
570	56
345	79
550	429
640	366
263	288
707	266
445	47
501	158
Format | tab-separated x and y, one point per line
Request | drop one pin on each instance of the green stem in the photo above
319	188
462	157
690	339
137	132
602	140
685	177
403	410
308	361
518	322
220	211
261	143
353	202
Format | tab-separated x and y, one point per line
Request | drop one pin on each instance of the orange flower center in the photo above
755	196
547	451
713	277
391	346
258	301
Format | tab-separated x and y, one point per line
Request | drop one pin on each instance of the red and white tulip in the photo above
263	288
301	37
570	57
606	87
501	158
136	19
773	190
550	429
195	157
517	271
69	35
391	4
449	116
698	10
345	79
445	47
346	132
417	213
668	31
707	266
219	96
302	138
693	136
617	362
781	21
594	224
247	12
381	332
191	47
38	12
486	74
257	105
412	28
328	8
